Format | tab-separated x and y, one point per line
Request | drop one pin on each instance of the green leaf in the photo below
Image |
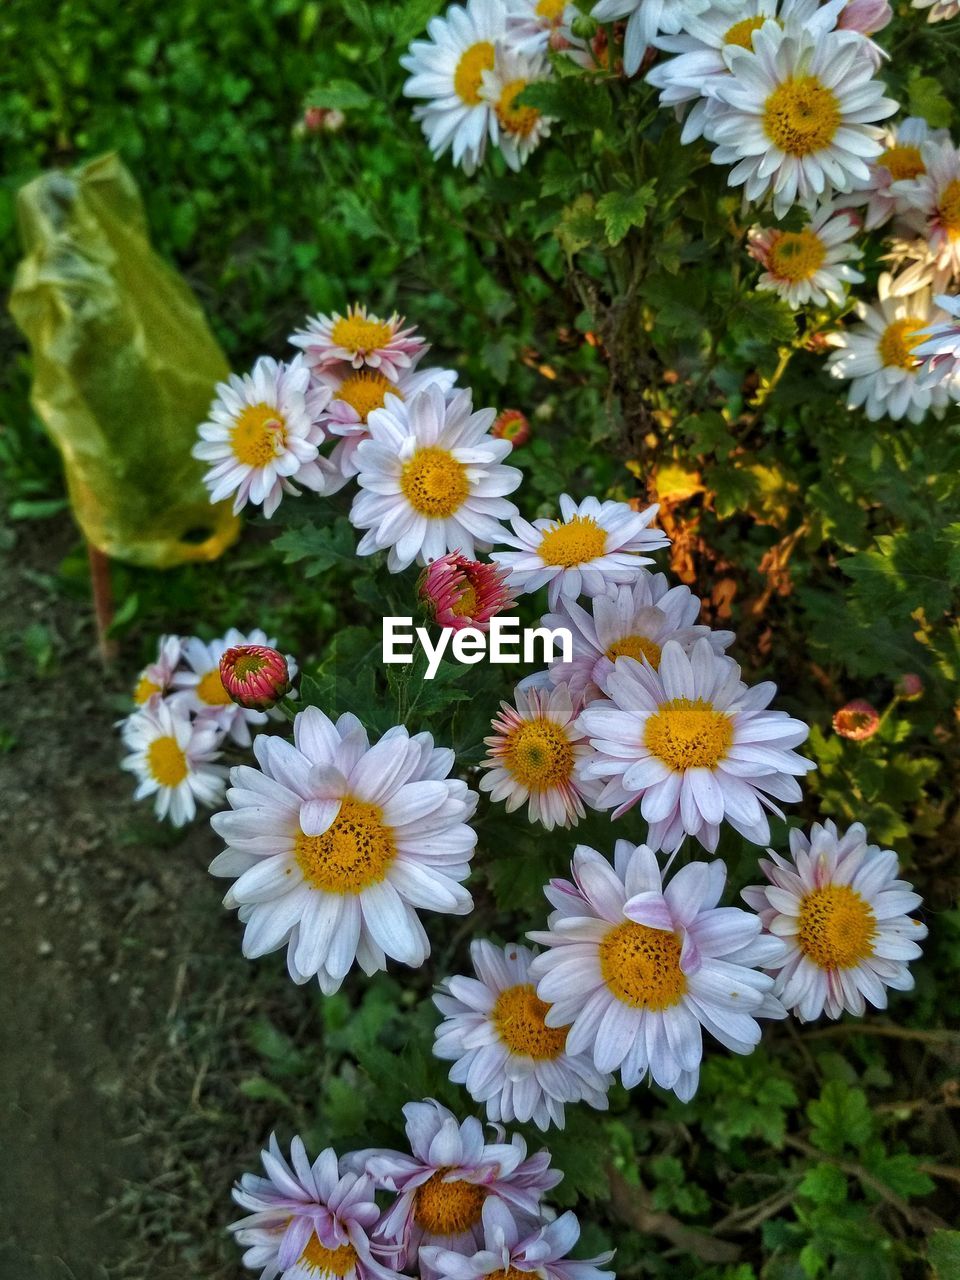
824	1183
943	1254
927	99
322	546
901	1174
621	210
840	1117
579	225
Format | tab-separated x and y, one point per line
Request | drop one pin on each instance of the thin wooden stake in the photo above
102	603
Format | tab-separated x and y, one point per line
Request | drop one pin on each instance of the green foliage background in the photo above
606	292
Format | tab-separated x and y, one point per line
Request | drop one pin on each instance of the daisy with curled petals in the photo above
198	686
512	1250
895	171
694	746
447	70
264	432
495	1032
173	759
443	1184
809	266
534	755
940	348
308	1221
360	340
843	915
638	969
940	10
334	845
157	676
534	26
632	621
934	199
522	128
593	546
431	480
645	18
796	116
880	357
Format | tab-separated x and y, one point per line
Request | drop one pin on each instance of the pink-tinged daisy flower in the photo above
173	759
264	432
512	425
308	1221
511	1250
632	621
694	746
199	687
638	970
442	1186
843	915
494	1030
334	845
431	480
354	396
940	346
522	128
940	10
458	592
858	720
534	26
534	755
645	19
157	676
895	171
809	265
255	676
935	199
360	340
593	546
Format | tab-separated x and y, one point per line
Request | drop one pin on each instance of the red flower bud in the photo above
858	720
512	425
254	676
909	687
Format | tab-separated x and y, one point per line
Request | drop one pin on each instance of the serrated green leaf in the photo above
840	1117
621	210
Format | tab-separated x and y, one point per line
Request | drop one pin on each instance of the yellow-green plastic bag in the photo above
124	367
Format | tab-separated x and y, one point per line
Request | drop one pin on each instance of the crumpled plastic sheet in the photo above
124	367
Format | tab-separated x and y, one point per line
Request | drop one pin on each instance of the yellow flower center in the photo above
166	761
434	482
641	966
466	603
511	1273
145	690
950	208
328	1262
468	76
258	435
801	116
514	118
448	1208
687	733
519	1017
741	33
366	391
354	852
836	927
797	255
211	691
248	664
898	341
355	332
636	646
575	543
551	9
539	755
903	162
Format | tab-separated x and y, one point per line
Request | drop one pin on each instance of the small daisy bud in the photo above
909	687
584	27
865	16
512	425
313	119
858	720
254	676
323	119
457	592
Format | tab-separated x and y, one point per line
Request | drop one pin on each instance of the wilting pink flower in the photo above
459	592
858	720
909	687
512	425
254	676
865	16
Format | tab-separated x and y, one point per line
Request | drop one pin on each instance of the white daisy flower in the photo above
837	905
940	10
638	970
447	70
940	348
522	128
880	358
264	432
533	758
494	1031
172	758
360	340
645	18
934	198
199	688
795	116
157	676
632	621
431	480
809	266
593	546
694	746
354	396
534	26
335	845
895	171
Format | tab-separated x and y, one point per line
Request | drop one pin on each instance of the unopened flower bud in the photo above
865	16
511	425
458	592
909	687
584	27
255	676
858	720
